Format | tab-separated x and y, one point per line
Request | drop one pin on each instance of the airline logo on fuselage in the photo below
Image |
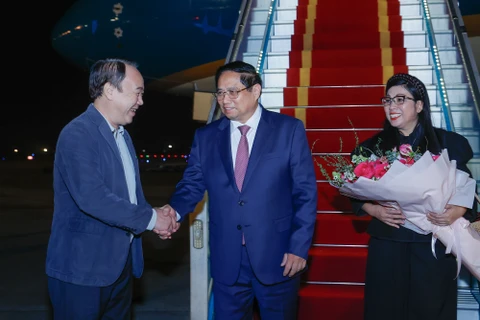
206	27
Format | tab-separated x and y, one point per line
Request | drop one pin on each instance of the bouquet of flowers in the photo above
416	184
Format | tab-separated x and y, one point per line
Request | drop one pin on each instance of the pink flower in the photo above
406	150
365	169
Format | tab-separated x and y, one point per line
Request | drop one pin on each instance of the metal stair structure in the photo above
432	55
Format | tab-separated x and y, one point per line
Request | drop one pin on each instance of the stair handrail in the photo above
214	112
266	36
437	66
232	53
466	54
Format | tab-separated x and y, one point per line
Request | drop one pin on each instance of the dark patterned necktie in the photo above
241	160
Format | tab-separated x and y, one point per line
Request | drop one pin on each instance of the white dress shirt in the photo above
235	133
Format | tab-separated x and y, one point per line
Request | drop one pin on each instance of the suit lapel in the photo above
108	136
224	148
265	132
96	117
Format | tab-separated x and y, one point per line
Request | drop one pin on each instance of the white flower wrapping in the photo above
427	185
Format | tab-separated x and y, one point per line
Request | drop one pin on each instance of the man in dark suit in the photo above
100	211
261	223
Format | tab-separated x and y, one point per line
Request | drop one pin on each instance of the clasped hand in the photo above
166	223
448	217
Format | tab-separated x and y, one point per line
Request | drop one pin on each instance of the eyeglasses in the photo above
232	94
399	100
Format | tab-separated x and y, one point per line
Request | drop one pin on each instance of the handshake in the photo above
166	223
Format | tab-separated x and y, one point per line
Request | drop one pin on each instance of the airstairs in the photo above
298	62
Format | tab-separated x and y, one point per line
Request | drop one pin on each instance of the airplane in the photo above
175	43
178	44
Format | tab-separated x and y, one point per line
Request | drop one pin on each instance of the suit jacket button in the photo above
241	203
239	227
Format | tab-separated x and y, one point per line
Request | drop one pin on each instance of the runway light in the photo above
30	158
170	146
45	150
15	150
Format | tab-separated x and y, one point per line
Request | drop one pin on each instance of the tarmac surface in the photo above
26	209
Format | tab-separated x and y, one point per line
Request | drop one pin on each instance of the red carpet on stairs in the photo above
342	54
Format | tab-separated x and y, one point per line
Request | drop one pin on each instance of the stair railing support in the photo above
437	67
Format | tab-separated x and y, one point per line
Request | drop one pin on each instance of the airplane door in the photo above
201	301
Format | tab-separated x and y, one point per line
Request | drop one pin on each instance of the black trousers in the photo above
404	281
76	302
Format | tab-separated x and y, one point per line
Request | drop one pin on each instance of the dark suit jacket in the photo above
458	149
93	217
276	209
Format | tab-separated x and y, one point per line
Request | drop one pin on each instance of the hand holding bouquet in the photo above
416	184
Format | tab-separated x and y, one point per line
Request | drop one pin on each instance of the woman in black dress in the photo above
404	280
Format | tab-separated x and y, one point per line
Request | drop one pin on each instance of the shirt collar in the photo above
252	122
121	129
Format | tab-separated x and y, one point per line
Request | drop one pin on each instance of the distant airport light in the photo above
30	158
45	150
33	154
15	150
141	156
170	146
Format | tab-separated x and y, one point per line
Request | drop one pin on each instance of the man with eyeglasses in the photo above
262	220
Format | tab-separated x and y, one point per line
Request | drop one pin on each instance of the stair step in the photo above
334	117
289	27
335	302
333	76
341	229
330	199
329	23
273	97
329	58
336	264
348	40
333	141
327	96
407	39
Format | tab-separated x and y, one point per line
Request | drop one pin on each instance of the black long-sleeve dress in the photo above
404	281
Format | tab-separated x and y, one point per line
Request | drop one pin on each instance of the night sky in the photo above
42	92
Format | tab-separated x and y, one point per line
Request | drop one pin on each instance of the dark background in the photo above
42	91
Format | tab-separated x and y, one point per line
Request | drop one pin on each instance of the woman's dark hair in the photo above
109	70
248	74
426	138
